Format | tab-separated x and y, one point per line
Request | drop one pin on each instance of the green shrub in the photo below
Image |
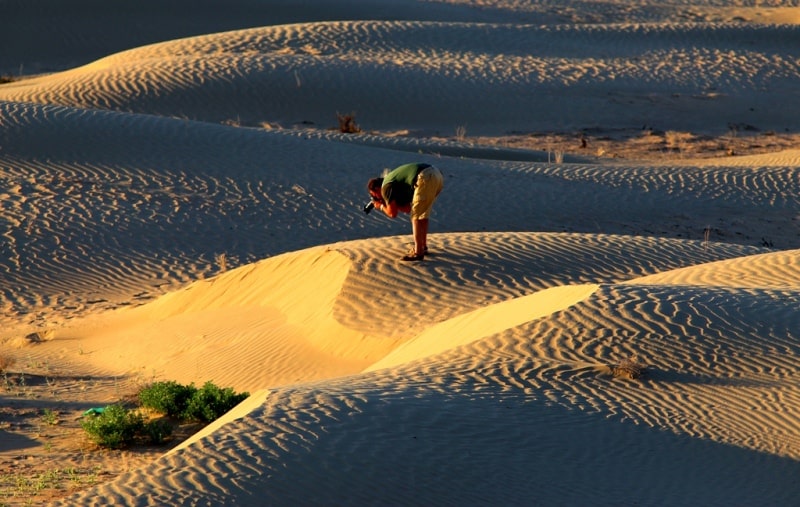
158	431
114	427
168	397
210	402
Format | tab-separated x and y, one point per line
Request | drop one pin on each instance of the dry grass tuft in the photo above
347	123
222	262
629	368
6	362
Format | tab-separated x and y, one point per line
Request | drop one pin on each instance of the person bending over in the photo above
409	188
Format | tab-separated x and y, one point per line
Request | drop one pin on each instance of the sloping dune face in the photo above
419	74
103	209
328	305
456	407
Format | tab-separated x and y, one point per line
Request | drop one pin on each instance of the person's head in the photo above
374	187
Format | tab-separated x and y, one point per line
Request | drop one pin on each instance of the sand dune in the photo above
718	376
67	37
174	205
306	73
280	309
106	209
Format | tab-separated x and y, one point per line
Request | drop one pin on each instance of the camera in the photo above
369	206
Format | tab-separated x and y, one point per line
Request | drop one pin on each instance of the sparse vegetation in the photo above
629	368
678	142
114	427
188	402
18	484
6	362
7	79
50	417
158	431
210	402
167	397
231	122
347	123
222	262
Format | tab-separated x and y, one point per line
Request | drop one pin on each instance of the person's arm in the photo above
388	204
390	209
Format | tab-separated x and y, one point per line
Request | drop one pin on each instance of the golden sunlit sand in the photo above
178	204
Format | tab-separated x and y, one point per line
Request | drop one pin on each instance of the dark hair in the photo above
375	184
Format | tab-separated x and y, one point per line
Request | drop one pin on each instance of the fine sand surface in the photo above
179	204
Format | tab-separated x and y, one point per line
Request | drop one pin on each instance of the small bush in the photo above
168	397
115	427
188	402
158	431
629	368
50	417
210	402
347	124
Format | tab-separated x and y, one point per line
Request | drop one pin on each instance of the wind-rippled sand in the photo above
160	217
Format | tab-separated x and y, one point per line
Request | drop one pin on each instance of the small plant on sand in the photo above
347	123
157	431
233	122
6	362
188	402
114	427
50	417
167	397
222	262
629	368
210	402
677	142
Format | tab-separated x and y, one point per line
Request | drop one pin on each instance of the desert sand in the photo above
621	181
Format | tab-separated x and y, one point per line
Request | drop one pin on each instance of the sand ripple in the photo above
716	392
307	72
469	271
483	375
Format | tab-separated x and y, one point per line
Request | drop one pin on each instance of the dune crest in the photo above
302	74
465	329
264	315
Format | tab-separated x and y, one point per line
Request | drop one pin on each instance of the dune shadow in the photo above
683	377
